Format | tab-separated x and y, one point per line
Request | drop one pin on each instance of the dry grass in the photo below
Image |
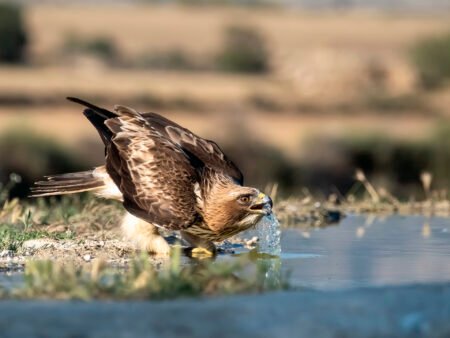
213	103
288	133
307	210
152	27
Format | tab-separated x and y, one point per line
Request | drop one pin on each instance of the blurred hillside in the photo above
296	97
385	5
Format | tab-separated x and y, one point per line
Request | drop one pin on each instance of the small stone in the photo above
37	244
87	258
6	253
252	241
360	231
57	229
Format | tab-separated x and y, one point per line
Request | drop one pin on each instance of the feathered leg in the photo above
144	236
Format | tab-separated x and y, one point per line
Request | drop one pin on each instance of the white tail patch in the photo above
110	189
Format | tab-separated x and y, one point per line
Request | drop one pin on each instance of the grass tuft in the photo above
141	280
12	238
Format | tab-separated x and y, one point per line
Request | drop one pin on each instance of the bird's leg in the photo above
144	236
199	246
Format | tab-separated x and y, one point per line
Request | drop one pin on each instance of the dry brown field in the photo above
326	48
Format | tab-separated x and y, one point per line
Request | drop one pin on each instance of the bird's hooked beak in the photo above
262	204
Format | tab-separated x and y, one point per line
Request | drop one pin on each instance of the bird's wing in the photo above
206	151
153	173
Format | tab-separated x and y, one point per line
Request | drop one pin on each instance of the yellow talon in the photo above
201	252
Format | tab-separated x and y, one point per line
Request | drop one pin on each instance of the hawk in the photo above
166	177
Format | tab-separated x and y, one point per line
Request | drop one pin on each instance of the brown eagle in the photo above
167	177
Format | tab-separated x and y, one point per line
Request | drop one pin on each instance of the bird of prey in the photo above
166	177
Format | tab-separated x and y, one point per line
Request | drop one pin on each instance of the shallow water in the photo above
369	251
360	251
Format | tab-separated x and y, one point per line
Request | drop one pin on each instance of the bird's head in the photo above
248	200
234	208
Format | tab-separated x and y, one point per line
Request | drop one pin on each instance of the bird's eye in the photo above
244	199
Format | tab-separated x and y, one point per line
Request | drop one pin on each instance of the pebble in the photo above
252	241
38	244
87	258
6	253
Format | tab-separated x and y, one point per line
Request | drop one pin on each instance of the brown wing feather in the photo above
205	150
153	173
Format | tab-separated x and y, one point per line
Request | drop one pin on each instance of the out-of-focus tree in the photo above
13	35
102	47
244	51
432	59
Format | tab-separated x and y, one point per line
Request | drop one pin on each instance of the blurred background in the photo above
297	92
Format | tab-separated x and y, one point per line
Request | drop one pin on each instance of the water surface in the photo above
360	251
369	251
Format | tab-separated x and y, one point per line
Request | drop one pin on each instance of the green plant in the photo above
141	280
244	51
13	35
12	237
432	59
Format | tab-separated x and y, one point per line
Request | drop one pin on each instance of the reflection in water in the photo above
426	230
273	278
269	249
364	251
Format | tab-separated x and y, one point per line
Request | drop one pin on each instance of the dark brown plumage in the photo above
165	175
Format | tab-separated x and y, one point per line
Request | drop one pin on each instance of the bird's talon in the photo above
201	253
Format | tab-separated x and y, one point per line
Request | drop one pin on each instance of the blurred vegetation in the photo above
52	280
102	47
398	163
168	60
31	156
383	102
261	163
13	35
247	3
432	59
328	165
244	51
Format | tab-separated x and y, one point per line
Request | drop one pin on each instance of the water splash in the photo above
269	234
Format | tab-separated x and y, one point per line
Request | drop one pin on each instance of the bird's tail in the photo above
67	184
